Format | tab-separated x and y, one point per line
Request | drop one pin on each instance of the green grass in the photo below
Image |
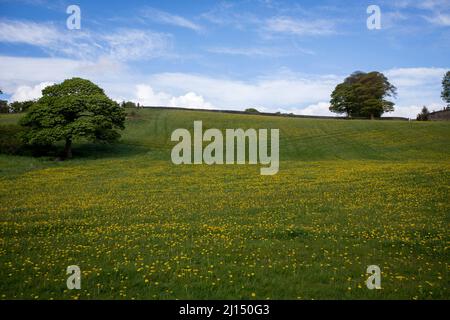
349	194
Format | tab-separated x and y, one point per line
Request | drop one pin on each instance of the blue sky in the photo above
274	55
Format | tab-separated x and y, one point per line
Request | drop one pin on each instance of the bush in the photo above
11	142
10	139
251	110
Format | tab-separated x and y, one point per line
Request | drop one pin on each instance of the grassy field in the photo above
349	194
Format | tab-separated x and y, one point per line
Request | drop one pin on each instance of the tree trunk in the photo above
372	117
67	153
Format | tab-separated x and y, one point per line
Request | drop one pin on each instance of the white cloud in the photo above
391	19
190	100
226	14
28	32
434	4
321	108
17	71
49	38
24	93
303	94
249	52
318	109
416	87
436	12
272	92
299	27
259	51
171	19
405	111
122	44
411	111
407	77
146	96
420	4
132	44
284	91
440	19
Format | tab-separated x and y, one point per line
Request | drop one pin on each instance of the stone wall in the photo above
440	115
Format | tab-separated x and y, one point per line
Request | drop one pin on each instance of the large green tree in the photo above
363	95
75	108
446	88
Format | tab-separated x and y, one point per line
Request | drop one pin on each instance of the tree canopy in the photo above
363	95
251	110
446	88
75	108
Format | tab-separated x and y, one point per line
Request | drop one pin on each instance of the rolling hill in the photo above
349	194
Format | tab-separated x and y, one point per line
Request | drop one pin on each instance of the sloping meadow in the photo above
348	194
